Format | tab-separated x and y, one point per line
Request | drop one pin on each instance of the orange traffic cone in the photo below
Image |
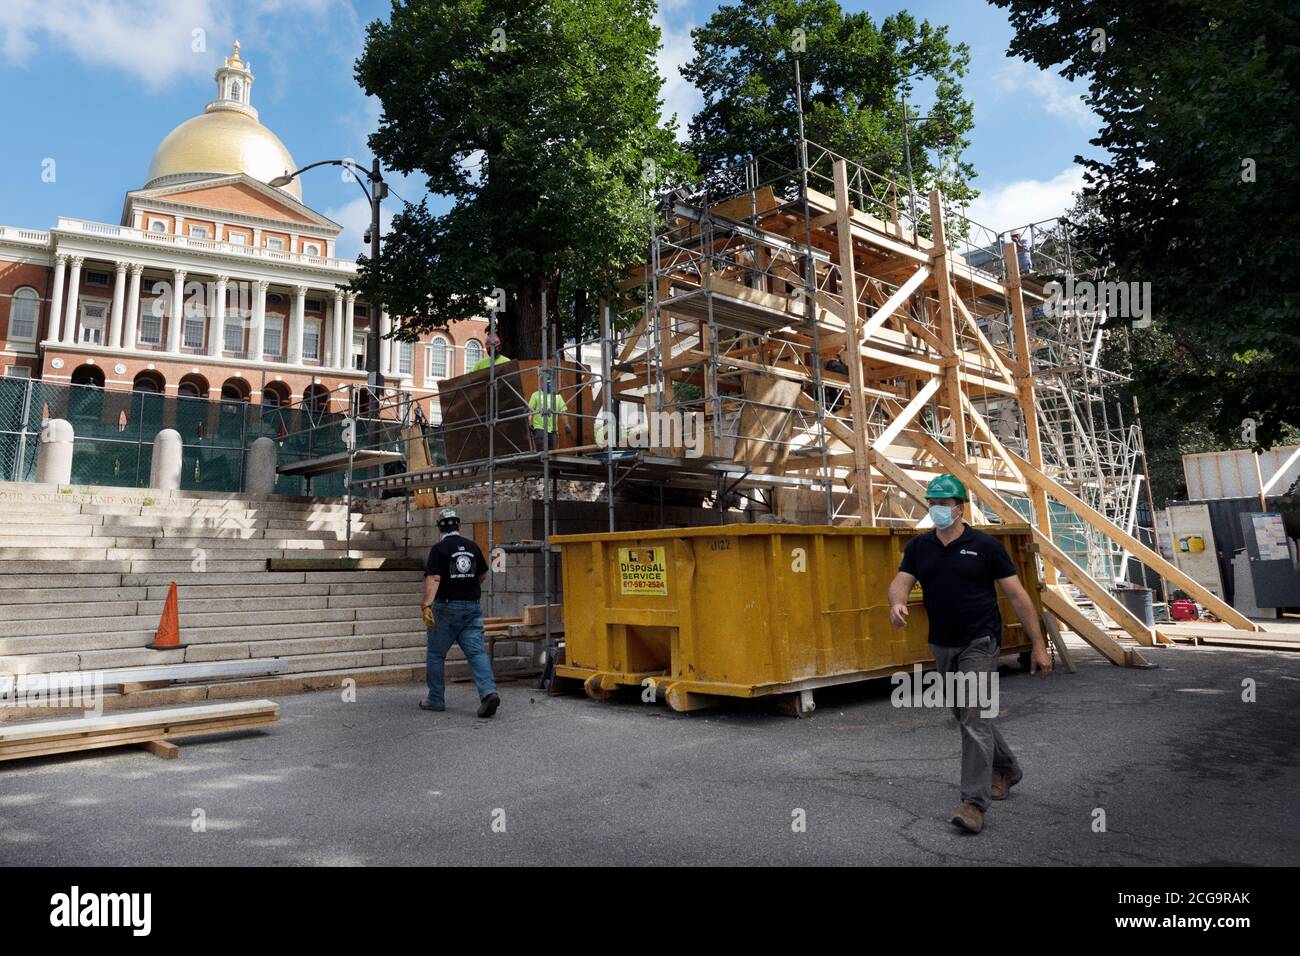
168	635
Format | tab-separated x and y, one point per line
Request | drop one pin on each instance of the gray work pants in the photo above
983	749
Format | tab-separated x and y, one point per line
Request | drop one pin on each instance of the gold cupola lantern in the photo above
225	138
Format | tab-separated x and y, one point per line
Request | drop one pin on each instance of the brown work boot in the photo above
1003	782
969	818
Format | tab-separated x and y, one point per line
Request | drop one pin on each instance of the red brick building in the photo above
213	284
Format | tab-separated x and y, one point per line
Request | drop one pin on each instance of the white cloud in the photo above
680	95
1047	90
354	217
154	40
1027	200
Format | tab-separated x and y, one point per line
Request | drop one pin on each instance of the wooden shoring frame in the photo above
921	371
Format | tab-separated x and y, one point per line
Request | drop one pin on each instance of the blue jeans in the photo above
457	622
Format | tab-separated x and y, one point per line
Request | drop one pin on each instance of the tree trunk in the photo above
520	326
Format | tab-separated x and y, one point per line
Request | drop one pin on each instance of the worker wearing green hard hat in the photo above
947	496
960	571
946	486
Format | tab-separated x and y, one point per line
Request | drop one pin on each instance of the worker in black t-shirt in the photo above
453	577
957	567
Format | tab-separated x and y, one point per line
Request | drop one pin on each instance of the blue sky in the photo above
95	85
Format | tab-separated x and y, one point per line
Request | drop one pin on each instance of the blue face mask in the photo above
942	517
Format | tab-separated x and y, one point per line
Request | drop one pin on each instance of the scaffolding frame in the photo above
952	363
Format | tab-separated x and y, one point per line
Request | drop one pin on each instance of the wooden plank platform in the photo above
152	674
144	728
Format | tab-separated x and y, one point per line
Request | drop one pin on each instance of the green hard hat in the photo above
946	486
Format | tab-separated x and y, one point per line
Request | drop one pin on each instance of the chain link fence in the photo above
114	434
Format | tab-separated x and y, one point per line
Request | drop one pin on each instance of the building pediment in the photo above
237	195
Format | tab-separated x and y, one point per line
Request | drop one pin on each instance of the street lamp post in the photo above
375	194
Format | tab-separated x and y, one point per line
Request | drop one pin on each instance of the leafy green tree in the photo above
1198	193
855	74
539	119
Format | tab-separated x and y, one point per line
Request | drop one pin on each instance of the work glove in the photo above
428	616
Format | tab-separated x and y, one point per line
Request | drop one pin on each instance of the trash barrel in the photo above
1139	602
748	610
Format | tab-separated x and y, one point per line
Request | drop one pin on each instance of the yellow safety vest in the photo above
537	402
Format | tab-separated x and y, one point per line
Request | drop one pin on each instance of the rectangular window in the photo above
92	324
151	316
359	350
435	413
236	239
233	331
438	364
311	340
97	278
24	306
17	371
275	243
405	357
195	324
361	312
199	232
272	332
313	305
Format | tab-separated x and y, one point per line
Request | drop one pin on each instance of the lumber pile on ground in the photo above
152	729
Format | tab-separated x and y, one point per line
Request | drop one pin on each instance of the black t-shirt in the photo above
458	562
957	583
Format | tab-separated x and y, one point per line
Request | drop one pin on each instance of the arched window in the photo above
23	309
234	390
237	92
274	395
473	352
438	358
150	382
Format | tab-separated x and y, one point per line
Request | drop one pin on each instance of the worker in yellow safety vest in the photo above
548	408
493	343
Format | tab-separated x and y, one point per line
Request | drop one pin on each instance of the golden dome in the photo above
222	142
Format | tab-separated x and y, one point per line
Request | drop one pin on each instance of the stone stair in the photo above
84	573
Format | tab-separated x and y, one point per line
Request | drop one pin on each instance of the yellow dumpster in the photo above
747	610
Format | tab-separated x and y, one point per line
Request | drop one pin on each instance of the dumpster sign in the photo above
642	571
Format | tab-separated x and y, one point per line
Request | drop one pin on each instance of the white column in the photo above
385	346
132	308
326	335
349	327
218	322
340	348
55	332
257	334
119	297
177	318
296	323
74	299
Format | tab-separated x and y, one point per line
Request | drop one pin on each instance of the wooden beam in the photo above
901	420
1054	635
1077	621
1151	559
848	291
895	302
1048	548
947	326
1028	401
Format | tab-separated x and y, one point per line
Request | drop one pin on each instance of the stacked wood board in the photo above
149	728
